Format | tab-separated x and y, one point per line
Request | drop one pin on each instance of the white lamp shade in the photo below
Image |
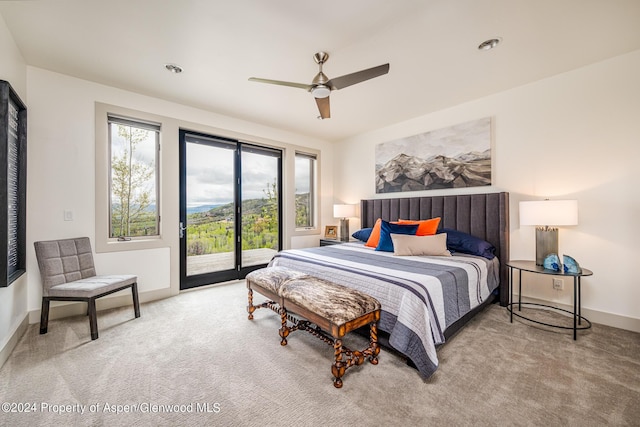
549	212
344	211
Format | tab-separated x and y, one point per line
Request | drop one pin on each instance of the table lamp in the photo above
545	215
344	212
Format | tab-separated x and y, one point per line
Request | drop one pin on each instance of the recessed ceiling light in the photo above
175	69
489	44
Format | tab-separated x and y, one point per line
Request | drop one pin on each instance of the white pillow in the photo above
406	244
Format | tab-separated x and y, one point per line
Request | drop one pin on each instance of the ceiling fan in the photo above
321	86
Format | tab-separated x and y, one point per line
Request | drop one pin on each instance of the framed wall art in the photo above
13	180
454	157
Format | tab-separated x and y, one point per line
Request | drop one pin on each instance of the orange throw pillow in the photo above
426	227
374	238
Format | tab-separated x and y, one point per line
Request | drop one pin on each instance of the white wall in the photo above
575	135
571	136
13	299
62	173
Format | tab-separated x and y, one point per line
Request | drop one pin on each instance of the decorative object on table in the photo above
453	157
552	262
545	214
571	265
344	212
331	232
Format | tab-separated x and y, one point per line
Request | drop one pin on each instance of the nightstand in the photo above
329	242
531	267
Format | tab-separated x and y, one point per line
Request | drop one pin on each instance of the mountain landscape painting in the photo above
454	157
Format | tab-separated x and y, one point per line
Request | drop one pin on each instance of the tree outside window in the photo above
133	180
305	165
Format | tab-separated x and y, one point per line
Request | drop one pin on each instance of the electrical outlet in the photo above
558	284
68	215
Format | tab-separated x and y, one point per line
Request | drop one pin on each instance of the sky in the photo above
210	175
303	173
144	152
210	171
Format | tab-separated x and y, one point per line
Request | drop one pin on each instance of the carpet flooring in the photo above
195	359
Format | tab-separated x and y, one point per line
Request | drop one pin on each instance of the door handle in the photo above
181	229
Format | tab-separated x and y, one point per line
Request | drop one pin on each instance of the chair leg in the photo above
93	319
44	316
136	302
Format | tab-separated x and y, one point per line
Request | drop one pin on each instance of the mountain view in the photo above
411	173
215	213
211	228
200	208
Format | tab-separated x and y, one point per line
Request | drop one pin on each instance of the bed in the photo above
425	299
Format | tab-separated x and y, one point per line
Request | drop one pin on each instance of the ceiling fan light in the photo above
320	91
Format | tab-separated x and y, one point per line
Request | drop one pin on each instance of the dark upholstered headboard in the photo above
482	215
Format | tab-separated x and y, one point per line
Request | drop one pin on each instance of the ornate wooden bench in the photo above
331	311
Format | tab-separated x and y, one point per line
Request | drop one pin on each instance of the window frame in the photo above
104	243
168	187
139	124
313	191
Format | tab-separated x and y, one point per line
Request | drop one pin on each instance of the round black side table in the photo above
531	267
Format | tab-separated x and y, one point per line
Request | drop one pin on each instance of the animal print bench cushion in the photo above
272	278
336	303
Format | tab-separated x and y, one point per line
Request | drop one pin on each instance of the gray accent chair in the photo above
68	274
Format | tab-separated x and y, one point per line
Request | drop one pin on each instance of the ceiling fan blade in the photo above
281	83
357	77
323	107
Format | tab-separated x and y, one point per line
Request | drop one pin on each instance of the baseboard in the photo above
213	285
60	309
594	316
13	339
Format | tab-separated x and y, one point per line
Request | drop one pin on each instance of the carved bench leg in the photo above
373	344
338	368
251	308
284	330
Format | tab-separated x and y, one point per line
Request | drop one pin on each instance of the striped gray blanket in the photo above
420	295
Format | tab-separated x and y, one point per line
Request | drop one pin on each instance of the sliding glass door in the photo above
230	211
260	201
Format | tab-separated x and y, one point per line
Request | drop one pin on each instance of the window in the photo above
305	173
133	178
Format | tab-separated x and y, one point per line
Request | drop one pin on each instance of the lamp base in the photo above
344	229
546	243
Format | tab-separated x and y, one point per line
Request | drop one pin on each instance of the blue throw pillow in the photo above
459	241
362	235
386	229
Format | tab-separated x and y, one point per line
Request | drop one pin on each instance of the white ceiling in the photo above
430	44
